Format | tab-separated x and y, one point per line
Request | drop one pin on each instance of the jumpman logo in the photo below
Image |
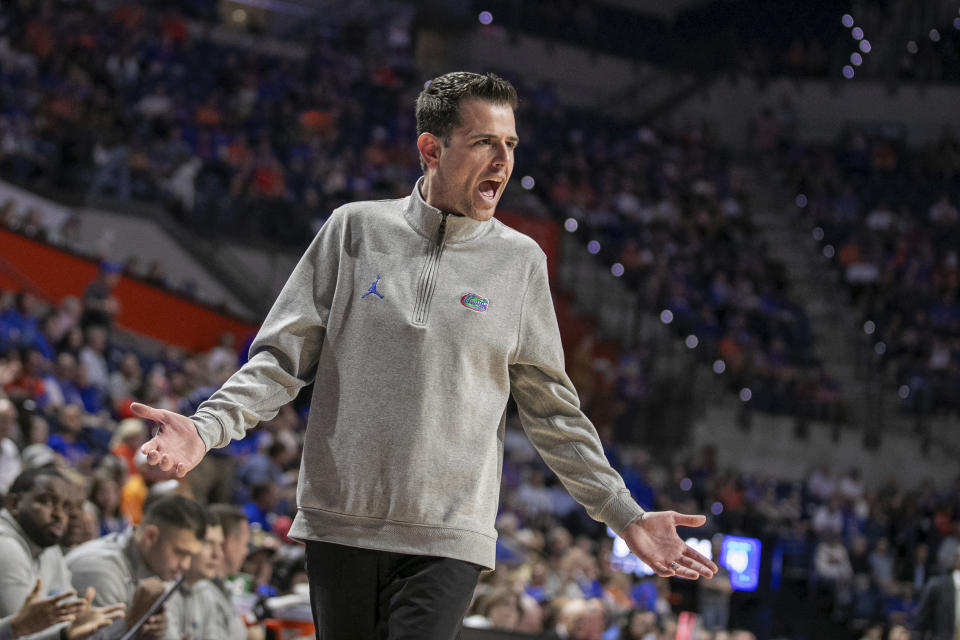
373	290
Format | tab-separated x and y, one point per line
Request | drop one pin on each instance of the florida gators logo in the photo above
474	302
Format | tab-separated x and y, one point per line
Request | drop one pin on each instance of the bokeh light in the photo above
593	247
485	17
857	33
847	20
745	394
692	341
666	316
856	59
912	47
847	72
934	35
800	200
869	327
880	348
527	182
865	46
571	224
829	251
818	233
617	269
719	366
903	392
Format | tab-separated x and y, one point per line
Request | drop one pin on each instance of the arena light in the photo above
616	269
956	24
829	251
869	327
818	233
485	17
527	182
719	366
692	341
880	348
800	200
716	508
571	224
593	247
847	20
903	392
912	48
934	35
686	484
856	59
666	316
865	46
847	72
745	394
857	33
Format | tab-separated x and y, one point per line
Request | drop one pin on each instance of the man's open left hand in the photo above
653	538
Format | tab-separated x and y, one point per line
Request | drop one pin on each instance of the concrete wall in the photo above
117	236
823	107
581	78
770	448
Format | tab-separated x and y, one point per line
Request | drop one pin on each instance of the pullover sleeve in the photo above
283	356
551	416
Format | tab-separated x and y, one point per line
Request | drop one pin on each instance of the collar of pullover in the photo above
425	219
11	522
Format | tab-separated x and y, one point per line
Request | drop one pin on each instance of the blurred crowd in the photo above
907	40
840	557
887	218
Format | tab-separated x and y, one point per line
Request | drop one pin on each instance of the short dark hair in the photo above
231	517
438	105
179	512
27	480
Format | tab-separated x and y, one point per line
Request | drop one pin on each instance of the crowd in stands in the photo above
758	39
274	144
849	555
887	217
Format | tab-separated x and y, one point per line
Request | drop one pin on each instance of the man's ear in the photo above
430	147
150	533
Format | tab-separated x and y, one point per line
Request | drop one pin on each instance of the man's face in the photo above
468	175
207	564
77	523
42	511
235	549
168	551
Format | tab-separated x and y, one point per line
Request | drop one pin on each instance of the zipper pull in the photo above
443	228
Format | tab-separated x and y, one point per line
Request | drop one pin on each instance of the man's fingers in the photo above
684	572
166	463
181	470
35	592
60	597
89	595
696	556
684	520
149	413
698	567
153	456
114	611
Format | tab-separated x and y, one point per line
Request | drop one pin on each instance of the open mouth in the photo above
489	189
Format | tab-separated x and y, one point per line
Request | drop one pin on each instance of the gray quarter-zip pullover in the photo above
416	325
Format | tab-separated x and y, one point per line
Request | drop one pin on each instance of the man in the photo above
236	538
31	526
400	482
9	452
194	612
936	615
131	566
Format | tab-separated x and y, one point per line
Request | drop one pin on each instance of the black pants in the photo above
362	594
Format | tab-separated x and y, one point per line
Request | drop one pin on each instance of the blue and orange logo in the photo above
474	302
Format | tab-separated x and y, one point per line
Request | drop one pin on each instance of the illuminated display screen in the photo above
741	557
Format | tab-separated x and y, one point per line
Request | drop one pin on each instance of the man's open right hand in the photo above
176	446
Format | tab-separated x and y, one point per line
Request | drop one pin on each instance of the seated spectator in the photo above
31	527
9	452
191	611
500	609
119	565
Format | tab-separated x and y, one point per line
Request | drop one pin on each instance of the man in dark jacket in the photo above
936	617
